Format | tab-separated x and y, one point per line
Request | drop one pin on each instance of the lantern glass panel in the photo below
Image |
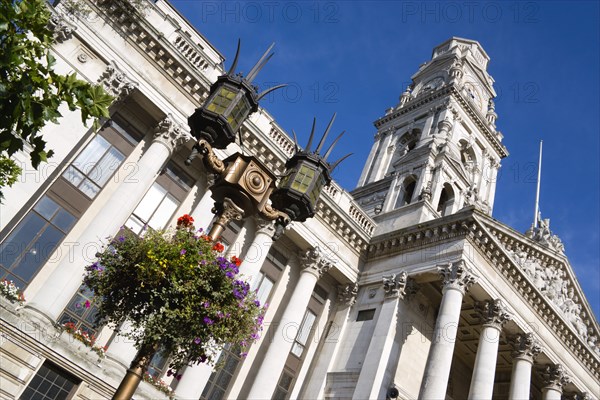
316	191
239	113
221	100
303	179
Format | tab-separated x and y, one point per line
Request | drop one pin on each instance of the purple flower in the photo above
182	252
243	355
257	303
208	321
206	304
121	239
255	336
197	340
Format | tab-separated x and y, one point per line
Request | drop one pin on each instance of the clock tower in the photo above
438	150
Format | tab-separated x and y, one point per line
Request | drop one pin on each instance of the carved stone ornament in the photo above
492	312
315	262
116	82
227	211
555	377
544	236
457	276
265	227
170	133
578	396
398	285
62	30
525	345
347	293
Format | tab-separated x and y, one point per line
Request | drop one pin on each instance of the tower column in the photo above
526	348
555	377
457	278
64	281
370	381
331	343
493	314
314	265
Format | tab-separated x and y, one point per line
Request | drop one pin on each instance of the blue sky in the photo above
356	57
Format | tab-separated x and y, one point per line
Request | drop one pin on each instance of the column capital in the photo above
525	346
170	133
116	82
346	294
492	313
578	396
457	276
314	261
555	377
265	227
398	285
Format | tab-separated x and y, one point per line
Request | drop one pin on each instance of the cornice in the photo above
443	92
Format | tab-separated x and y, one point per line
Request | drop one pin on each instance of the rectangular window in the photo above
365	315
51	383
34	239
81	311
283	386
94	166
303	333
158	364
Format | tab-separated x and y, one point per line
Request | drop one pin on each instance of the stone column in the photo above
331	343
555	377
257	251
457	279
314	265
370	383
193	381
66	278
526	348
493	314
202	213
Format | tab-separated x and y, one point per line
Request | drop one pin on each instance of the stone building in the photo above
404	288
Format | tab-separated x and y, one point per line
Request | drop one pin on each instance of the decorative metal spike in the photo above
332	145
312	134
266	92
295	142
260	64
335	164
318	149
235	59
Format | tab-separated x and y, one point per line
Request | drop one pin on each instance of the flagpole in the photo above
537	193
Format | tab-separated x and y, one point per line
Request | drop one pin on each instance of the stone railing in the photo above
191	52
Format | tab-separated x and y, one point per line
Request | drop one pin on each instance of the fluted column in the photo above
314	265
555	377
257	252
370	381
202	213
346	297
493	314
64	281
456	281
526	348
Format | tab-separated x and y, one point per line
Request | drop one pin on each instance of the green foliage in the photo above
31	92
9	173
175	290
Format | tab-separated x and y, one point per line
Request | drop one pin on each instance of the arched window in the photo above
407	191
446	200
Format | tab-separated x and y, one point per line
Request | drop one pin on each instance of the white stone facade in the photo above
425	296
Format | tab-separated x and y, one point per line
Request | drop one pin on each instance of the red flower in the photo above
185	221
218	247
206	238
236	261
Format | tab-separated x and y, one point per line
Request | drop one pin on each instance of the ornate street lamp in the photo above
231	100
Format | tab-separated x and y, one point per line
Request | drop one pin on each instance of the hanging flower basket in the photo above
11	292
176	291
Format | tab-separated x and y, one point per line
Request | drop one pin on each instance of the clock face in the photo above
473	94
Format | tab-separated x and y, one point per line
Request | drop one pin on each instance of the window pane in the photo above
89	188
106	166
263	290
164	211
73	176
64	220
150	201
18	240
134	224
38	253
309	319
91	154
46	207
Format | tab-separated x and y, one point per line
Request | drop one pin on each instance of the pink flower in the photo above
87	304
